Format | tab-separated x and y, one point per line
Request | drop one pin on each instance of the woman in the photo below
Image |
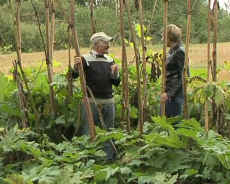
173	96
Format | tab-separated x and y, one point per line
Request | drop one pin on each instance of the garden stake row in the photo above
125	74
137	58
81	72
164	54
18	47
145	75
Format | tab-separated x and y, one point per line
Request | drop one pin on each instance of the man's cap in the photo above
100	36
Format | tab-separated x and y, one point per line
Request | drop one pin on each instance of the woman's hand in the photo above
164	97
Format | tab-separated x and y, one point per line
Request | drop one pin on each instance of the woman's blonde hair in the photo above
174	33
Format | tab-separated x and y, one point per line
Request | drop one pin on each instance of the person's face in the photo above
102	47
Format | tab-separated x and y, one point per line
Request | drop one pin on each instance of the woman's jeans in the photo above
174	106
108	114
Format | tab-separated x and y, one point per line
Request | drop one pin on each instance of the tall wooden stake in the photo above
52	31
164	54
209	66
214	54
92	17
125	82
80	68
139	88
185	72
48	62
215	40
145	76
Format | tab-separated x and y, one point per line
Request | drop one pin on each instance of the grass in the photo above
197	55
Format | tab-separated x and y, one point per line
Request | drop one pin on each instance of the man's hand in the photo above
77	61
164	97
114	69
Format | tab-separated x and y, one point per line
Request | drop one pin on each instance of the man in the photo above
101	73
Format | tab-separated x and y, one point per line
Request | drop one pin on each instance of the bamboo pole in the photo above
125	82
214	54
53	10
215	40
69	77
92	16
145	75
48	62
209	63
19	57
164	54
140	106
185	72
81	73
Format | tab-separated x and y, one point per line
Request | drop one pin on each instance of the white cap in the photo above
100	36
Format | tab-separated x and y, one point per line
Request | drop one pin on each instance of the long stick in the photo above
208	64
92	17
125	86
214	54
164	54
145	76
186	59
52	31
81	73
19	56
48	62
215	40
140	106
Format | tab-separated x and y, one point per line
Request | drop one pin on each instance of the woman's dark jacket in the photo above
174	70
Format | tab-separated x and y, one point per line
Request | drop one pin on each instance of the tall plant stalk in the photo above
214	53
145	76
19	56
92	16
185	72
48	62
52	30
21	94
125	73
164	54
139	88
209	66
81	73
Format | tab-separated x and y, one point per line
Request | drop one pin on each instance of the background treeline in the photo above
105	20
